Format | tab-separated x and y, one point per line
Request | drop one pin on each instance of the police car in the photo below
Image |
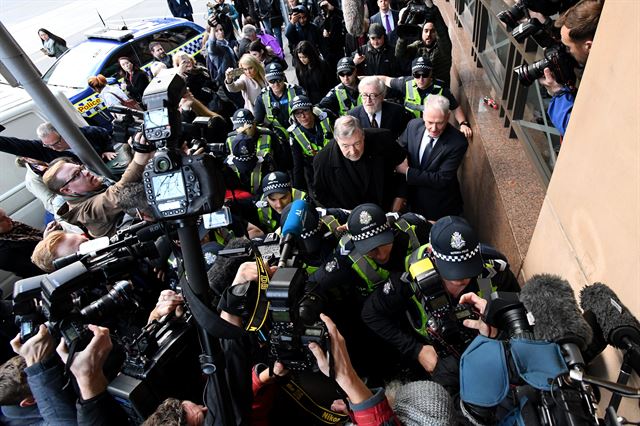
99	54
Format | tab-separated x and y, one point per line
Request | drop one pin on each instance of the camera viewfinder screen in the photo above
156	118
438	303
169	186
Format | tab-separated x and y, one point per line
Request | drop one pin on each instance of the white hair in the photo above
345	127
372	80
437	102
46	129
249	29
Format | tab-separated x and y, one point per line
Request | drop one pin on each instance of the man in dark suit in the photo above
357	166
388	18
376	112
435	151
181	9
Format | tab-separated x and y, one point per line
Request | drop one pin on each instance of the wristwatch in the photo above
465	123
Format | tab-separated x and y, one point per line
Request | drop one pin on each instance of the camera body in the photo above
434	314
290	332
557	59
176	185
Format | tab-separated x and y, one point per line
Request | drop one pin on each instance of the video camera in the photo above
434	314
177	185
563	402
557	59
415	15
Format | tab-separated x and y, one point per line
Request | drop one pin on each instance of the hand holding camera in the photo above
37	348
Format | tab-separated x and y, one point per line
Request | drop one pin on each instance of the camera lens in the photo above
526	29
511	16
117	296
527	74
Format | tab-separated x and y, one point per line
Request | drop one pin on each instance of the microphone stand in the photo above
623	379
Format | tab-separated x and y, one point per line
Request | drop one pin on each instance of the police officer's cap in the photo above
276	183
345	65
456	248
243	150
300	102
242	117
421	64
369	228
273	72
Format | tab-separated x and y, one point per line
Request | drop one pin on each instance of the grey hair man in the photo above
356	167
435	150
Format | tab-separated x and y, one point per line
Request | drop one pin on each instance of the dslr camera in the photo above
294	325
434	314
557	59
176	185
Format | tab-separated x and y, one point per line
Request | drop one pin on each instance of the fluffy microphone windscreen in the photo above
610	312
551	301
353	12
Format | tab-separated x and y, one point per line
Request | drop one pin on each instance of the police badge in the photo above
457	242
365	218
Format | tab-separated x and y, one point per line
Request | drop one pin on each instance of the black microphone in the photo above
619	327
150	232
551	301
292	228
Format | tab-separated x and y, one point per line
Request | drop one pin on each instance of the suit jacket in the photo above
377	18
334	174
432	186
394	118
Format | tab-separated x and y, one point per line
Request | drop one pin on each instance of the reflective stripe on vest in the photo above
367	269
266	100
412	99
310	149
331	223
256	175
343	97
410	230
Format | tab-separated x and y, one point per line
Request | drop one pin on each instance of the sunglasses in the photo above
417	75
345	73
276	81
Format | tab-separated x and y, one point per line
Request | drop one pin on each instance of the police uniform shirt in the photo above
398	85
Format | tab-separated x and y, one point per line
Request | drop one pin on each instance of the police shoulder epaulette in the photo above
290	128
261	203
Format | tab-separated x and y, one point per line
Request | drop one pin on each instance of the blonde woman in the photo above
250	83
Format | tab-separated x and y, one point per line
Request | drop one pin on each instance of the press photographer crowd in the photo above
280	253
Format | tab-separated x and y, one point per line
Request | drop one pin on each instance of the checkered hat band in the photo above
274	75
371	233
311	233
244	158
459	258
272	186
301	105
241	121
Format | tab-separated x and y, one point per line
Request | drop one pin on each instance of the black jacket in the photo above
380	61
136	84
336	177
394	118
432	186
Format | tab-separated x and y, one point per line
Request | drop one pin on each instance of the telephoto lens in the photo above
119	295
528	74
510	17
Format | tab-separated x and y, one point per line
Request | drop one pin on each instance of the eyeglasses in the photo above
300	112
370	96
418	75
345	73
74	176
277	81
56	143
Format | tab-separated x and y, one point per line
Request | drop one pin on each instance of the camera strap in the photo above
261	308
325	415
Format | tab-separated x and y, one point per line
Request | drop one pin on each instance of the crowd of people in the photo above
369	140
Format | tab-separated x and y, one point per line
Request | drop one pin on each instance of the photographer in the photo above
577	29
434	44
461	264
300	29
54	245
330	23
90	202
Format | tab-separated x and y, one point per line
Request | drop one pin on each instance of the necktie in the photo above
387	23
374	123
426	150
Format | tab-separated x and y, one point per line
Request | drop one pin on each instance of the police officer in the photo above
273	106
245	167
268	144
345	96
414	90
277	194
310	132
457	263
378	244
